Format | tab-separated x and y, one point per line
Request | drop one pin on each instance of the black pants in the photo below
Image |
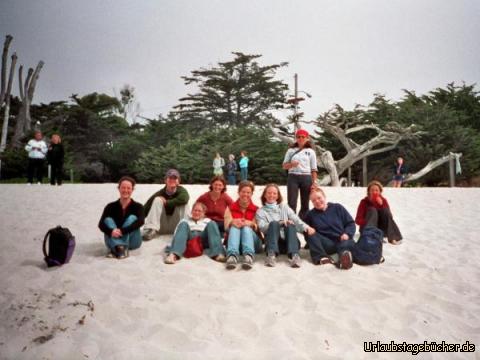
56	174
383	219
35	167
296	183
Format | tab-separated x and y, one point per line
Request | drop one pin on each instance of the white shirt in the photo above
36	149
307	161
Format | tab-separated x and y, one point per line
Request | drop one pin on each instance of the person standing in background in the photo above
399	171
55	157
231	170
301	163
218	164
37	150
243	163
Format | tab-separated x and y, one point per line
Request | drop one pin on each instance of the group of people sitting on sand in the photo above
234	231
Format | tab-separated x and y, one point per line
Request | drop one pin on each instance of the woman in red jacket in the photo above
241	226
374	210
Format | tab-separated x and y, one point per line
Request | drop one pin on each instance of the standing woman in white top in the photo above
301	163
218	164
37	151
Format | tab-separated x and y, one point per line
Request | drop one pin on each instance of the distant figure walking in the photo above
243	163
218	164
37	151
55	157
399	171
231	170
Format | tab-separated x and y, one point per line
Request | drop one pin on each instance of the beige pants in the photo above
158	219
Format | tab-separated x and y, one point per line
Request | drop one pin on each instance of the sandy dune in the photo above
139	308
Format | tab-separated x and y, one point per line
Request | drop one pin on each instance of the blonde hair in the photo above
374	183
317	189
56	136
264	199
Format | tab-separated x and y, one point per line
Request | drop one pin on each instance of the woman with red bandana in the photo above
301	163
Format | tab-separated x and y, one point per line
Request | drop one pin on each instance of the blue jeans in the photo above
210	238
243	239
232	179
131	241
321	246
243	173
275	244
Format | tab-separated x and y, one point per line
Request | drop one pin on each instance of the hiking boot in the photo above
231	262
148	234
295	261
247	262
270	260
121	252
170	259
345	261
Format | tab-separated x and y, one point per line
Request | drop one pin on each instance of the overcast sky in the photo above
343	51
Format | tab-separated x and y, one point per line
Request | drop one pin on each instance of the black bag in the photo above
368	249
61	244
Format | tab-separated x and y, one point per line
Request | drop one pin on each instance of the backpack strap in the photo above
45	243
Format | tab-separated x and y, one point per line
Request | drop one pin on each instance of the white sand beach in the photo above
139	308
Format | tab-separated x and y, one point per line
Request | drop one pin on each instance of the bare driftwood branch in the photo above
6	114
27	90
430	166
3	80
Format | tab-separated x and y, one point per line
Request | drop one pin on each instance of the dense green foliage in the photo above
232	111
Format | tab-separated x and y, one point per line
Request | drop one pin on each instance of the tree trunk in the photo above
24	120
3	79
6	114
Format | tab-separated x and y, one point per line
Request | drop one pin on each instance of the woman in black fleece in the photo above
55	157
121	221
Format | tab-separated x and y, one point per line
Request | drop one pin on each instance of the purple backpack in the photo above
61	244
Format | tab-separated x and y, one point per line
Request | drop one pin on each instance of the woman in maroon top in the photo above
217	201
374	210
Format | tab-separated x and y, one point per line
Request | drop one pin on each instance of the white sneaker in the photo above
295	261
170	259
247	263
231	262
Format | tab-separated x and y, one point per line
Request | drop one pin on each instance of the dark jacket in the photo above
115	211
55	154
331	223
179	198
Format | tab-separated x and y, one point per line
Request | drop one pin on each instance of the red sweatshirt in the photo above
365	203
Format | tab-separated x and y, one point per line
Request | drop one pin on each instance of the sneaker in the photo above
395	242
170	259
326	260
148	234
295	261
270	260
247	262
345	261
231	262
121	252
220	258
